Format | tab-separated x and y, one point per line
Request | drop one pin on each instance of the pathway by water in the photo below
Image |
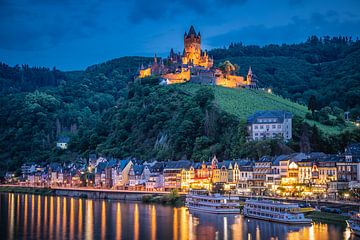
24	216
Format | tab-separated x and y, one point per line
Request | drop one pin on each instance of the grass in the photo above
327	217
244	102
28	190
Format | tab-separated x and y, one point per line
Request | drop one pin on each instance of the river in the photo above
24	216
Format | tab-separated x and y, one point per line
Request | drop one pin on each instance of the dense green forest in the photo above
105	111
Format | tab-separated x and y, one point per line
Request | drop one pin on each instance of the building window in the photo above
279	126
273	126
261	127
256	127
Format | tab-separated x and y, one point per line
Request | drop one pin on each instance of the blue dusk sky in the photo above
73	34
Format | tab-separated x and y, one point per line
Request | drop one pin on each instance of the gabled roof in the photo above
123	163
138	169
244	162
158	167
101	167
278	115
63	139
265	159
353	149
181	164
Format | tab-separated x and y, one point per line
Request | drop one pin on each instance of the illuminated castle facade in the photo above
193	65
192	54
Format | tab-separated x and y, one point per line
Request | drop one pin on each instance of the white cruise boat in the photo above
212	203
354	224
275	211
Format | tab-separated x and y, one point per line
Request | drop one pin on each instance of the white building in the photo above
62	142
270	124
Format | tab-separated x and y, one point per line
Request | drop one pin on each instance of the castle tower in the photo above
192	46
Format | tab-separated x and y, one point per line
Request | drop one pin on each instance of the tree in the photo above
312	104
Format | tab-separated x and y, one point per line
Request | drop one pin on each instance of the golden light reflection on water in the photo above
72	218
175	224
57	217
80	217
51	223
153	222
38	217
11	215
39	214
18	210
89	220
26	206
118	221
45	220
103	220
32	212
64	225
184	224
136	222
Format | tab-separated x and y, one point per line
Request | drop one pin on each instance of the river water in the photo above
24	216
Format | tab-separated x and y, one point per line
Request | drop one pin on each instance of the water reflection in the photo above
38	217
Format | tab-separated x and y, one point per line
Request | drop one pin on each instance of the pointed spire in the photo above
142	66
155	59
250	71
192	31
199	34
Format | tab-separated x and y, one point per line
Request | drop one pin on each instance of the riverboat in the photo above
212	203
275	211
354	224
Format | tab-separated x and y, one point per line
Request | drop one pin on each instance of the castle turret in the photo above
192	46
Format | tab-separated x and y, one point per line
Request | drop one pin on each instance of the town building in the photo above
270	124
62	142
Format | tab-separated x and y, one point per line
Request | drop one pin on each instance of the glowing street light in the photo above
269	90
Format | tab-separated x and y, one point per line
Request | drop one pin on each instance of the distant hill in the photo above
328	68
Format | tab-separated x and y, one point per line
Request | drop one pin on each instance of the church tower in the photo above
192	47
249	77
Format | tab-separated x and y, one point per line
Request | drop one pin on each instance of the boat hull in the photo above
290	222
214	211
355	229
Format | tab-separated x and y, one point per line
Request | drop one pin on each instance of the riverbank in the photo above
168	198
327	217
28	190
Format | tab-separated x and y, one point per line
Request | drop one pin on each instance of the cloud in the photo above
142	10
330	23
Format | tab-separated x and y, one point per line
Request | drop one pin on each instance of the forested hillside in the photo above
104	111
328	68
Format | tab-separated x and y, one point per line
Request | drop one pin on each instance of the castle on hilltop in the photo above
196	66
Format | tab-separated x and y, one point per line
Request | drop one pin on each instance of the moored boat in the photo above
289	213
354	224
212	203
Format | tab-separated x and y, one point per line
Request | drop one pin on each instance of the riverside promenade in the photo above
136	195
